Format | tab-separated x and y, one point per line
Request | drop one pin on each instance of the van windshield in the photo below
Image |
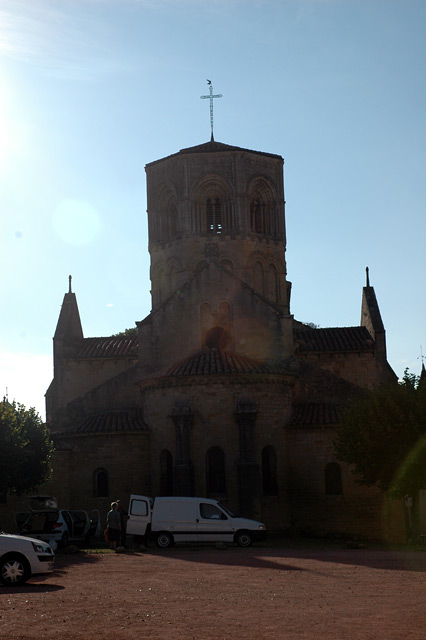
226	510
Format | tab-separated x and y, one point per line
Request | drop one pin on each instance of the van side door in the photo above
139	515
214	525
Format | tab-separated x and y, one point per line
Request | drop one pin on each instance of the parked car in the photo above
21	558
57	526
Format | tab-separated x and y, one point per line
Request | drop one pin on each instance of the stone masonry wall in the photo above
359	511
213	403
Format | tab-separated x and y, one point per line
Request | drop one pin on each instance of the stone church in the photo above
219	391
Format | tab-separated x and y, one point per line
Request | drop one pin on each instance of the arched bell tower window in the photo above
163	218
211	206
214	215
264	209
256	215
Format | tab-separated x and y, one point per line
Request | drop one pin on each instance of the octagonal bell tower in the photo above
216	205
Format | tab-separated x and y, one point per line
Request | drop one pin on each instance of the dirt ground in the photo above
263	592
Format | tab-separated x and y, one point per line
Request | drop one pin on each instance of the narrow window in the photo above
269	472
209	216
257	222
214	215
218	215
166	473
333	479
216	480
101	483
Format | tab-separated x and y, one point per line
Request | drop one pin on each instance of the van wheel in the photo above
164	540
14	570
243	538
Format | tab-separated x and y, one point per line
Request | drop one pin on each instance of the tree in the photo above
25	449
383	435
127	333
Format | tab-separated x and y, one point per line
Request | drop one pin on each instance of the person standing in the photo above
113	525
123	520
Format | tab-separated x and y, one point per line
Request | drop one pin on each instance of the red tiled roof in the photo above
110	347
112	422
214	361
313	414
333	339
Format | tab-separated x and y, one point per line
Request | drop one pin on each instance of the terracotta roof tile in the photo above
334	339
112	422
110	347
211	147
315	414
214	361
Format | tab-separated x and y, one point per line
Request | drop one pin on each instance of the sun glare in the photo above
76	222
10	139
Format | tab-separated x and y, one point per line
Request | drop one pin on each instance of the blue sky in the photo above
93	90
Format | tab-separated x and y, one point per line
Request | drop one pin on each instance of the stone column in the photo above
248	469
183	474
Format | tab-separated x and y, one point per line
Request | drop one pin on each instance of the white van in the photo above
173	519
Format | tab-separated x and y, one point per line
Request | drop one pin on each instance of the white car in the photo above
57	526
21	558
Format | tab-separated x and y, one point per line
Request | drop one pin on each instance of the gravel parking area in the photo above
231	593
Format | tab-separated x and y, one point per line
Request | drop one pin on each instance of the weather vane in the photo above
211	97
421	356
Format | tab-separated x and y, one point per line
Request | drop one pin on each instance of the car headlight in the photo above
39	547
262	527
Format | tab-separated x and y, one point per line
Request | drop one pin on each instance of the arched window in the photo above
217	338
101	483
166	473
257	222
269	472
333	479
215	467
216	329
214	215
263	199
163	217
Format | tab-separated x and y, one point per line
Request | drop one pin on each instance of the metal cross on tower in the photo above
211	97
